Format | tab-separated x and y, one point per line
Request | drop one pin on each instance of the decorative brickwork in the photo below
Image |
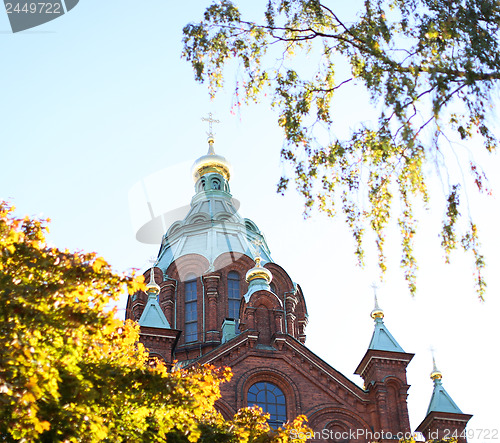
203	262
270	348
439	425
159	342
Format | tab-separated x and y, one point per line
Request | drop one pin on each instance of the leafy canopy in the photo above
430	67
71	372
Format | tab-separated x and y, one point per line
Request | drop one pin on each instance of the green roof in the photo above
382	340
441	400
212	227
153	316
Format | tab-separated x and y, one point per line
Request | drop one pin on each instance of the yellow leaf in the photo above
42	426
98	264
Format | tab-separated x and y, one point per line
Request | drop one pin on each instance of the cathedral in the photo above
216	296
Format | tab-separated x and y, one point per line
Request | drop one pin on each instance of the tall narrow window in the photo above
271	399
233	295
191	311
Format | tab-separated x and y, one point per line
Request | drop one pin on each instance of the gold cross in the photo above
210	121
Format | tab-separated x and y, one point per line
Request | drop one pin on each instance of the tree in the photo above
71	372
429	66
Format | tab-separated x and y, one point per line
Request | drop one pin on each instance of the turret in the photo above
383	369
156	333
444	418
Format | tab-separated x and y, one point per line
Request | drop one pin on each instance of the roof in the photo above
259	284
441	400
382	339
153	316
212	227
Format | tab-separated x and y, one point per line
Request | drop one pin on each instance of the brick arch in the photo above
301	316
137	305
251	313
225	409
224	264
234	261
295	304
281	279
233	271
231	261
301	309
337	431
265	298
153	355
283	381
394	387
392	379
187	264
266	309
326	416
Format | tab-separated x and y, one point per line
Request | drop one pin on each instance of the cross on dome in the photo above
210	121
257	244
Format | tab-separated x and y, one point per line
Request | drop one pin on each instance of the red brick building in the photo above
216	296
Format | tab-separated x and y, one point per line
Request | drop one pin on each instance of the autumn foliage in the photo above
70	371
431	69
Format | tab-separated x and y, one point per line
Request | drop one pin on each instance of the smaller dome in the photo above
211	162
258	272
377	313
152	287
436	375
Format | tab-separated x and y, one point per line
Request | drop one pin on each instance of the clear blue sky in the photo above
97	101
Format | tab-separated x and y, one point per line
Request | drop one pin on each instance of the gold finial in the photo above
258	271
152	287
436	374
210	133
377	311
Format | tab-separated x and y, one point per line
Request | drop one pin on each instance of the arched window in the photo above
233	295
191	310
271	399
216	184
273	288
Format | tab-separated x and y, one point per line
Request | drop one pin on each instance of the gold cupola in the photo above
211	163
257	272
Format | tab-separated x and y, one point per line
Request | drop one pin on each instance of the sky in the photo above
100	115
